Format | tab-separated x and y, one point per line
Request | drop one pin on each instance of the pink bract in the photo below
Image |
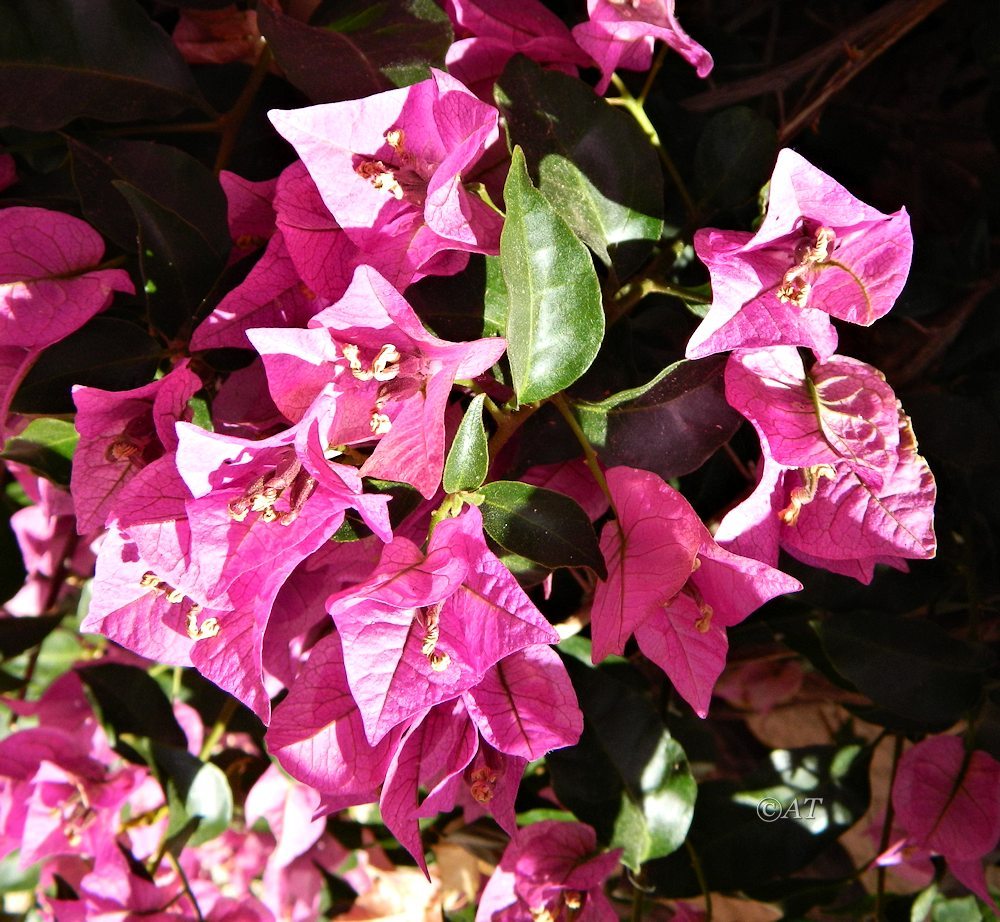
391	169
819	253
553	870
621	33
671	585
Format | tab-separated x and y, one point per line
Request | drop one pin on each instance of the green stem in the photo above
186	885
700	875
589	457
636	291
508	424
233	120
218	728
635	107
651	76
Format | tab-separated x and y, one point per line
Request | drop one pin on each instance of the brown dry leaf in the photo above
397	895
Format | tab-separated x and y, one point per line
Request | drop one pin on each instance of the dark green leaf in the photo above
375	46
131	702
175	180
591	160
496	299
46	446
12	571
468	458
738	849
180	260
734	156
542	525
910	667
627	777
103	59
20	634
108	353
670	426
555	320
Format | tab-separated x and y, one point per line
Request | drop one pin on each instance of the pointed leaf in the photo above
627	777
108	353
180	259
540	524
132	702
468	458
174	179
555	320
20	634
376	46
592	161
910	667
670	425
202	791
46	446
103	59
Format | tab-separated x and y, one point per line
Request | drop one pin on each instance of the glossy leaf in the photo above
591	160
628	777
670	425
542	525
738	850
172	178
734	154
181	256
468	459
376	46
108	353
102	59
131	702
555	320
910	667
200	789
46	446
20	634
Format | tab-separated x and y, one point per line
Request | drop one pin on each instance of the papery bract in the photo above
50	283
391	168
490	32
621	33
551	869
949	803
862	495
390	378
819	252
671	585
423	629
120	433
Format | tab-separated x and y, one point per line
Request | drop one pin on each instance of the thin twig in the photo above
233	120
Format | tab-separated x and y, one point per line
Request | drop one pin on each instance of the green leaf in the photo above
107	352
542	525
468	458
496	299
734	156
590	159
175	180
627	777
46	446
555	320
376	46
102	59
743	846
671	425
201	791
908	667
20	634
132	703
181	255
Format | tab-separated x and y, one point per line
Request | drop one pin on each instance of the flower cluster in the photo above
322	527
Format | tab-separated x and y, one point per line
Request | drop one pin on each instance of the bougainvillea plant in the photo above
438	480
